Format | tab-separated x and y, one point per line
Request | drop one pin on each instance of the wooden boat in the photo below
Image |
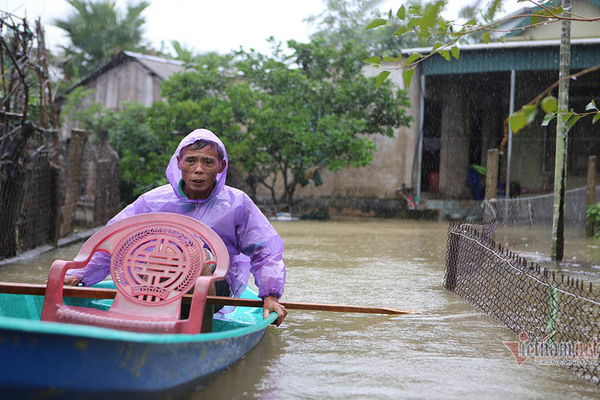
56	360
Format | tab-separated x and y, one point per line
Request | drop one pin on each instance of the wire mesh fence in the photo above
556	317
28	138
38	216
537	210
40	188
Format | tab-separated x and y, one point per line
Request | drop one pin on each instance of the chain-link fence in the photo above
538	210
556	317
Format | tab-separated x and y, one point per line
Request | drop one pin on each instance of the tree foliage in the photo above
97	31
344	20
593	217
144	147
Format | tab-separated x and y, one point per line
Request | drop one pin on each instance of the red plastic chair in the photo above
155	259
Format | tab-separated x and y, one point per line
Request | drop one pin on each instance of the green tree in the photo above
313	110
97	31
143	151
344	20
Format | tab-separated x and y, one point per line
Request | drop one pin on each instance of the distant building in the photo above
90	173
128	78
459	108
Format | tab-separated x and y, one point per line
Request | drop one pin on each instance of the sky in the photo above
203	25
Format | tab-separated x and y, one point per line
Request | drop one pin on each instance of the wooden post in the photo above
491	175
562	132
591	192
74	167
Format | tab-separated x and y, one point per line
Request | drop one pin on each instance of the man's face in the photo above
199	169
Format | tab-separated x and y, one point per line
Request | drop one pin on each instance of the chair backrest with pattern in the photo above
156	258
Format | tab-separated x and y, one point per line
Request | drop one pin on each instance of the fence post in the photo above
491	175
73	174
451	260
491	189
591	192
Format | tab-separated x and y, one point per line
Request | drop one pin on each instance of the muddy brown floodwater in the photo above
451	350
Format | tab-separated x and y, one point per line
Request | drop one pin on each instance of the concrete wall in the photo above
579	30
392	164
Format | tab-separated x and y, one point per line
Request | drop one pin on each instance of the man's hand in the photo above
71	280
207	271
271	303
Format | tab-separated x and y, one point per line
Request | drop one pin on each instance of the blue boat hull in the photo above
52	360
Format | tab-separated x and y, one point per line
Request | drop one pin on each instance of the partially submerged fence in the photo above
538	210
556	317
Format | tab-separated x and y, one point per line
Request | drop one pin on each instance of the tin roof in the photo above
519	56
163	68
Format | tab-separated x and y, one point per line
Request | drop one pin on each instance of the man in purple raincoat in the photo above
196	174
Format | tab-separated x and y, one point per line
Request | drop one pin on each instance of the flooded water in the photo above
451	350
581	255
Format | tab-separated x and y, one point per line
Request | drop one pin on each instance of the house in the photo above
130	77
90	167
459	108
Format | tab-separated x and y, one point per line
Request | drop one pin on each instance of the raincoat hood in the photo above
173	173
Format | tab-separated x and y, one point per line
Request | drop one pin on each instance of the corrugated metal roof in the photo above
519	56
162	67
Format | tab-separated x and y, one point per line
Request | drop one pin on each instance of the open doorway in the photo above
432	143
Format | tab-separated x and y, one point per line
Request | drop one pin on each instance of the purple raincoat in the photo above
253	244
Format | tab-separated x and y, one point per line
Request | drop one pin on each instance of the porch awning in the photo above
518	56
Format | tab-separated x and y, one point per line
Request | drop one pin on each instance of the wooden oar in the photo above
101	293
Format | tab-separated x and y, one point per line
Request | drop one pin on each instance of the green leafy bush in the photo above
593	216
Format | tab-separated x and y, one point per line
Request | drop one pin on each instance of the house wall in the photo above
392	165
532	162
579	30
474	107
527	160
127	82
